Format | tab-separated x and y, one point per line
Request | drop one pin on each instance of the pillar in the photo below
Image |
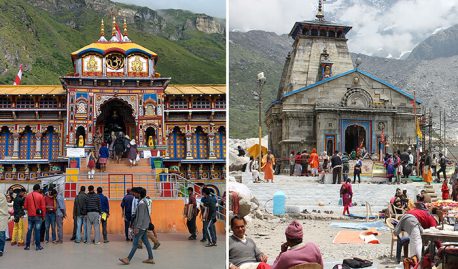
211	146
16	146
189	146
38	137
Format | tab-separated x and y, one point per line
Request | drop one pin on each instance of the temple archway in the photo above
116	116
355	137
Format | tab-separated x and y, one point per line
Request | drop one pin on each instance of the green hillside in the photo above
42	36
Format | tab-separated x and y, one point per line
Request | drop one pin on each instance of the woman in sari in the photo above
346	193
268	165
314	162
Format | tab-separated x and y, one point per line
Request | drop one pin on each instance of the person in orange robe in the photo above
445	190
314	163
268	165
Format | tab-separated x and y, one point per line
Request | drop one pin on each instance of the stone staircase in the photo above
123	167
429	189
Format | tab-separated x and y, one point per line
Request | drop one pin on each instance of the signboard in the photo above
75	152
147	154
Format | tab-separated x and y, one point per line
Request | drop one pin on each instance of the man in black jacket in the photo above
336	165
93	210
80	214
19	213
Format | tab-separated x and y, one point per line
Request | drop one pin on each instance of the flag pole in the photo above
416	131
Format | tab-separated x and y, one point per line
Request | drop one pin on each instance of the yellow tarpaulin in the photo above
253	151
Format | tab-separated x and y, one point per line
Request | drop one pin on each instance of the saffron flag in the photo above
118	33
17	80
419	134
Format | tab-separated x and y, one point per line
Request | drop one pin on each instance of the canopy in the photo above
253	151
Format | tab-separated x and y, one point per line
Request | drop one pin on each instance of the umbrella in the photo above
253	151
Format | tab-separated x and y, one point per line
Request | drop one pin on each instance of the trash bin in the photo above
279	203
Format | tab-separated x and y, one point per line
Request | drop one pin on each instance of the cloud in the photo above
380	27
215	8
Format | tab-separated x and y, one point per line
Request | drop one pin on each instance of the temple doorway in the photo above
354	138
116	116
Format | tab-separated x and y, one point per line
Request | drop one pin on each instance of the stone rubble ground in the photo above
305	193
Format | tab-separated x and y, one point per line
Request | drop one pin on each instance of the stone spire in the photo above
320	14
102	32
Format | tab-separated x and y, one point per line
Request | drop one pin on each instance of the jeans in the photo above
211	231
402	241
354	177
126	227
141	235
104	229
2	241
204	230
60	228
50	220
18	231
93	220
80	220
34	224
192	226
438	173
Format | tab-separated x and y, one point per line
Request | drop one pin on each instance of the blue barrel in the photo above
279	203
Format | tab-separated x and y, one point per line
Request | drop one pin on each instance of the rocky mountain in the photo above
430	70
41	34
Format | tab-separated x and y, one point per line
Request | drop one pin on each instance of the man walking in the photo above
210	203
443	166
79	211
105	206
191	214
126	206
93	209
336	165
140	225
61	214
35	206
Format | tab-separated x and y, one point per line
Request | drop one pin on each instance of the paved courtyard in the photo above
306	193
175	252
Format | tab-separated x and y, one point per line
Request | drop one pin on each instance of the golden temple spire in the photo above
102	29
113	30
320	14
125	27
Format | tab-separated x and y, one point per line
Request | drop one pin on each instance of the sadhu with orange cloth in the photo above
268	162
314	162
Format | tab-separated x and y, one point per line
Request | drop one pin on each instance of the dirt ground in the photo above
269	235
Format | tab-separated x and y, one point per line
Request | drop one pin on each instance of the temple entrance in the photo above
354	138
116	116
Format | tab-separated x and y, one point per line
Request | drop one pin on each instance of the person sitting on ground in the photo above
243	252
253	168
241	151
294	252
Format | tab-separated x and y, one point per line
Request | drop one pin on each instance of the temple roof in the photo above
105	47
32	90
298	26
195	89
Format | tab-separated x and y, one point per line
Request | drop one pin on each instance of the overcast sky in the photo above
216	8
380	27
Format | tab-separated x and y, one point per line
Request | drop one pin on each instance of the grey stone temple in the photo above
324	102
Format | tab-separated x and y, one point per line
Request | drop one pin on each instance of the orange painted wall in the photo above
167	216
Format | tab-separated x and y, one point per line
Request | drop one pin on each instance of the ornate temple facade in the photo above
114	88
324	102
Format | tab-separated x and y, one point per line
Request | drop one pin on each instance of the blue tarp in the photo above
379	225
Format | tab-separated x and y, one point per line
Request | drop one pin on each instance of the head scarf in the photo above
294	230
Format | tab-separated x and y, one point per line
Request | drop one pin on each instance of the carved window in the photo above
81	108
25	102
201	103
178	103
48	103
5	102
220	103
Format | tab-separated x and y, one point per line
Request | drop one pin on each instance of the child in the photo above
445	190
